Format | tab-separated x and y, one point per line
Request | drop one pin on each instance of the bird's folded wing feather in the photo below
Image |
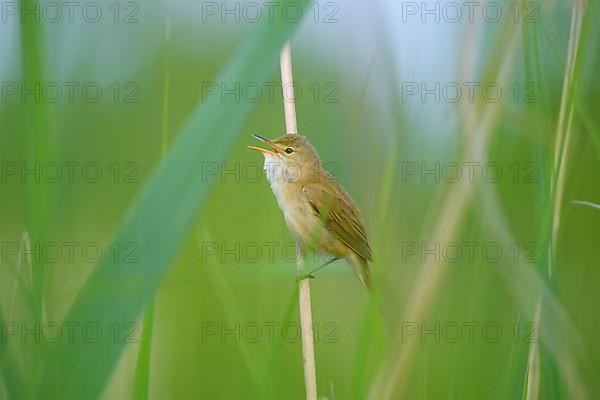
339	214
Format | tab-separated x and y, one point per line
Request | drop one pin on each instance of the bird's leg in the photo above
300	256
310	273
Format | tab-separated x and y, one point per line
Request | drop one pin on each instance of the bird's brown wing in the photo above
333	205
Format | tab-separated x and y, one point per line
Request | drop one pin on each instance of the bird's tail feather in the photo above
362	270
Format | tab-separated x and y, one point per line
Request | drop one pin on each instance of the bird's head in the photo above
289	149
291	158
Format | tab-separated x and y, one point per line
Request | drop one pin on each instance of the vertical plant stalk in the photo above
166	90
538	368
142	373
479	126
563	131
39	139
141	390
308	349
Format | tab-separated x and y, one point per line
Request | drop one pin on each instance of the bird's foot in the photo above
304	276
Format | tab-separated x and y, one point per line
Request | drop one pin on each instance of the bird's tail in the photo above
362	270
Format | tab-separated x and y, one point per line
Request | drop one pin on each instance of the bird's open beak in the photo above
266	141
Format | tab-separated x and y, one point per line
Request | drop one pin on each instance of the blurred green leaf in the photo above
117	292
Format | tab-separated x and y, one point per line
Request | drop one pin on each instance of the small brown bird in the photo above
318	211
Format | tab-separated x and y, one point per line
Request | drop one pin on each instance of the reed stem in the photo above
308	349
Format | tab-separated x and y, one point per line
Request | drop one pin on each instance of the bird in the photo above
319	213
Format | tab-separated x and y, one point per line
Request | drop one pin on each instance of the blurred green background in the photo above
180	188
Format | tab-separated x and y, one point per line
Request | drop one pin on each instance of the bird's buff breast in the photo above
299	217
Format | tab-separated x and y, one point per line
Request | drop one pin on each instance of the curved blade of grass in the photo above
117	291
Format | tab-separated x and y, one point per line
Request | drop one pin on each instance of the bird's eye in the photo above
289	150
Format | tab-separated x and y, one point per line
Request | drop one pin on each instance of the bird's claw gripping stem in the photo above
304	276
